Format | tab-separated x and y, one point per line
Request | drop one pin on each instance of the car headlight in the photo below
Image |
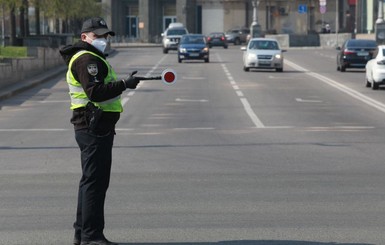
252	56
278	56
205	50
182	50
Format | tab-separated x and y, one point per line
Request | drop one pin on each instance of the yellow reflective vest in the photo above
78	96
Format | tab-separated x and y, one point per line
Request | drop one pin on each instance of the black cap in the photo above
96	25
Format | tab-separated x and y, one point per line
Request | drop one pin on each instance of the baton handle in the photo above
150	78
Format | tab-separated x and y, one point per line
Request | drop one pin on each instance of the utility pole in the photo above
380	17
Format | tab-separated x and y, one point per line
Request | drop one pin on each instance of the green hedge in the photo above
12	52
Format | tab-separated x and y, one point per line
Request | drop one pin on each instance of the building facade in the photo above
145	20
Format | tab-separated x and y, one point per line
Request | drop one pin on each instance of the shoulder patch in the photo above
92	69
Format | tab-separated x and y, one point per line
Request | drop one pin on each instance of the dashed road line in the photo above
246	105
131	93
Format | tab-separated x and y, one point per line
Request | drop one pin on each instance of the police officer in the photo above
95	100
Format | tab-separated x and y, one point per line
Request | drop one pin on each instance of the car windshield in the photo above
172	32
263	44
193	39
362	44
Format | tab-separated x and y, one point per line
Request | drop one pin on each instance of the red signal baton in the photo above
168	77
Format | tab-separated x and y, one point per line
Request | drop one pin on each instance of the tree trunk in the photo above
37	17
13	27
22	21
26	7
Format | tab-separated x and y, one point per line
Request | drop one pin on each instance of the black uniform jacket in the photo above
92	81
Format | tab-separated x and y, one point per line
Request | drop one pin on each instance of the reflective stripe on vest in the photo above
78	96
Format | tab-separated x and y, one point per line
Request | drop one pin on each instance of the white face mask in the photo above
99	43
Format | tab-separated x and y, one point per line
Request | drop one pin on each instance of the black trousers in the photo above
96	153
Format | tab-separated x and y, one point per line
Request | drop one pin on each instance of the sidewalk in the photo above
19	87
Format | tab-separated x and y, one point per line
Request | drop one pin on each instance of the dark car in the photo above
193	47
237	35
355	53
217	39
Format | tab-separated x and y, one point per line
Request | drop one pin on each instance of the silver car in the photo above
237	35
263	53
172	36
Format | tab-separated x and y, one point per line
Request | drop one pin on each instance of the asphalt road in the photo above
222	156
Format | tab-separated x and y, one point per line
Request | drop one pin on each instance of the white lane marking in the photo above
193	128
125	100
55	101
34	129
246	105
193	78
239	93
353	93
251	114
132	92
187	100
133	130
310	101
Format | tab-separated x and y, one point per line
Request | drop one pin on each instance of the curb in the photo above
19	87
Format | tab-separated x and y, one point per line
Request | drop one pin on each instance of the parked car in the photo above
171	36
217	39
355	53
237	36
263	53
193	47
375	69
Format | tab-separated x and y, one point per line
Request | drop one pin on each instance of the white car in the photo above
375	68
263	53
172	35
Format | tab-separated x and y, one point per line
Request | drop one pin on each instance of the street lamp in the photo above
255	4
255	28
337	23
380	17
380	24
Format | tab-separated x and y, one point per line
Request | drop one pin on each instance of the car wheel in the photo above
179	60
237	41
375	85
225	46
246	69
207	60
368	84
165	51
279	69
342	68
338	68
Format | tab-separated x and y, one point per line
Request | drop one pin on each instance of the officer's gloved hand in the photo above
131	82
